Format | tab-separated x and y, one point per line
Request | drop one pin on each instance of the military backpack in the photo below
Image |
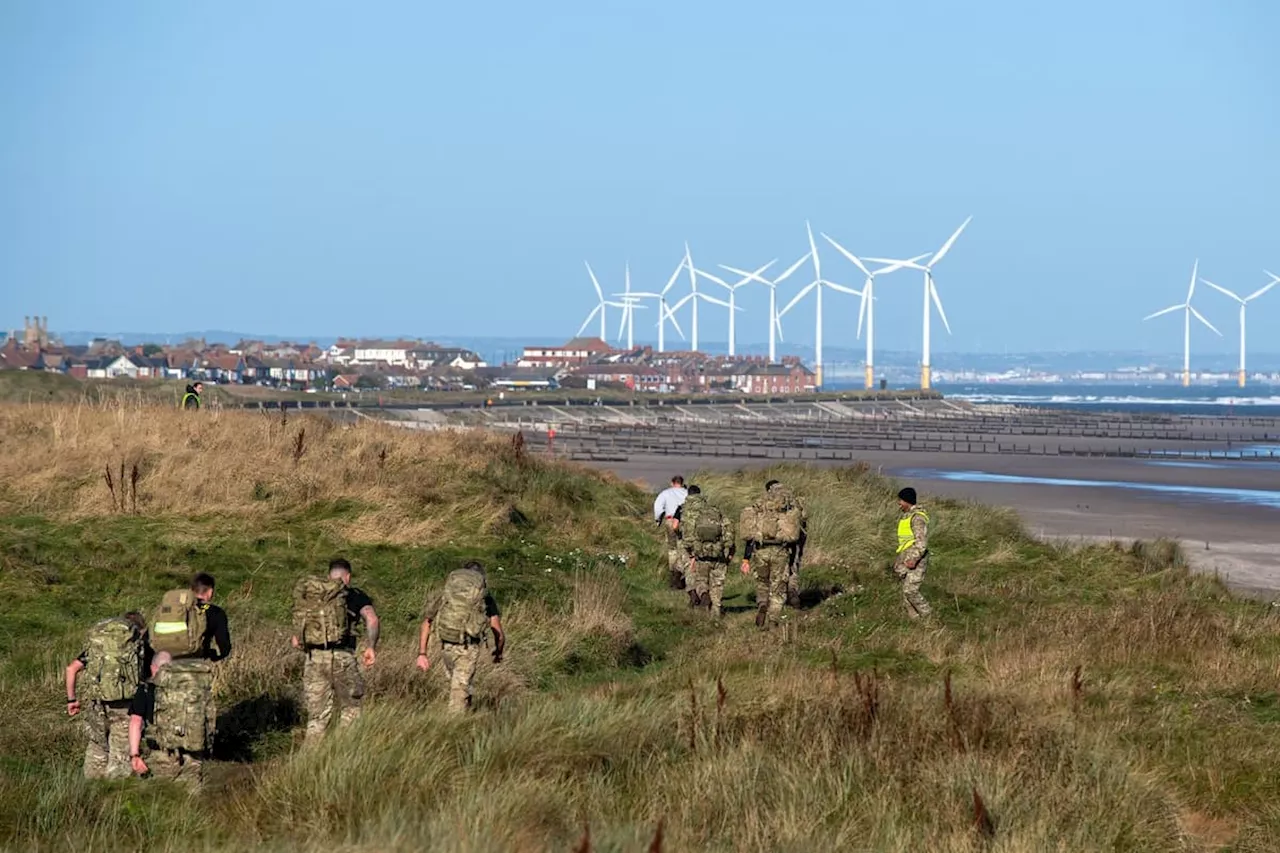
776	520
461	617
185	717
179	624
319	611
113	660
705	533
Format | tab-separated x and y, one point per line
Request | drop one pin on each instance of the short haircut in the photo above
474	566
769	485
202	581
678	480
139	621
694	490
339	564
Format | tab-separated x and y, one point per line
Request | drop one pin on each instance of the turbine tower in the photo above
631	304
599	309
775	325
1243	303
733	297
867	306
930	294
817	285
1188	311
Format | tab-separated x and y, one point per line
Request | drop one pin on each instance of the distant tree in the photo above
369	382
151	349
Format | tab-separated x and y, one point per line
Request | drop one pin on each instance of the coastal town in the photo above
360	365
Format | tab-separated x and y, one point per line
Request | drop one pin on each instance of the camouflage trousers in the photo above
106	754
176	766
911	579
707	578
771	566
460	662
331	678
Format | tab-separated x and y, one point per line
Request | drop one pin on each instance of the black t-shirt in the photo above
216	633
143	703
357	600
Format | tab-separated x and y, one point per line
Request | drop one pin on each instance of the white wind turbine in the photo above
930	294
867	306
664	311
599	309
747	277
1187	310
775	325
818	284
1243	303
631	304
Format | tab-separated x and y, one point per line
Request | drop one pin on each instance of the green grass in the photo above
833	734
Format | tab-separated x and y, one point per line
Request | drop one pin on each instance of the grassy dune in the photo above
618	711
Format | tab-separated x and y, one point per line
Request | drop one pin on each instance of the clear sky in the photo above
443	169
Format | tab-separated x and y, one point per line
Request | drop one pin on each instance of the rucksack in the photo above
462	611
114	659
319	611
179	624
704	532
185	717
781	519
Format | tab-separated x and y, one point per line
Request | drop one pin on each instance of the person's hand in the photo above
295	642
73	707
369	657
746	567
911	564
497	656
423	663
139	766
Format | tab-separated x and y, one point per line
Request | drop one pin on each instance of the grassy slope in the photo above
834	734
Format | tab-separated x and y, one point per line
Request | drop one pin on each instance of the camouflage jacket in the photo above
689	512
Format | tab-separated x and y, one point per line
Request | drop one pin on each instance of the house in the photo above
388	352
224	367
345	381
634	377
111	367
789	378
290	370
575	353
429	356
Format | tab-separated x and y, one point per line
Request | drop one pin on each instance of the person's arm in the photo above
73	669
920	533
424	633
371	625
135	745
221	633
659	507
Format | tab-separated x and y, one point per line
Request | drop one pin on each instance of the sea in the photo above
1208	400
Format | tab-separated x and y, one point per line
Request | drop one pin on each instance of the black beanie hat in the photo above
908	494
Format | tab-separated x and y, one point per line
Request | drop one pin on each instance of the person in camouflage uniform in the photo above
331	674
770	562
912	558
106	724
461	652
174	765
706	573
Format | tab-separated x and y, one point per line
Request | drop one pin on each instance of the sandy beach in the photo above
1223	533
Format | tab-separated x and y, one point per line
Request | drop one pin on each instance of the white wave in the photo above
1092	400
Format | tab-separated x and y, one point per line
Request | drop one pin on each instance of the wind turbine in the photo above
733	297
867	306
1187	310
1243	302
817	285
664	312
775	327
695	297
599	309
930	294
631	304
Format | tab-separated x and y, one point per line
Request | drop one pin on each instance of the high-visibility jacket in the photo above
907	537
192	397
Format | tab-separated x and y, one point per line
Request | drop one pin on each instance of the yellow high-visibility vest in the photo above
905	537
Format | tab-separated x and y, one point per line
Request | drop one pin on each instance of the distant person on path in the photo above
325	614
191	398
665	512
175	706
462	616
912	557
708	544
772	530
112	664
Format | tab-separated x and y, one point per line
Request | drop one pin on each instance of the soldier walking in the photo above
912	558
772	529
708	544
462	615
112	665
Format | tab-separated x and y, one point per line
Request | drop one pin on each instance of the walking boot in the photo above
695	600
705	602
675	579
762	617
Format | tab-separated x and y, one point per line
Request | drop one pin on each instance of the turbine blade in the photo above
1195	268
675	275
672	317
853	259
842	288
1163	311
933	292
1201	318
895	264
622	327
1262	290
711	277
862	307
795	299
791	269
587	322
680	304
714	301
951	241
594	282
1221	289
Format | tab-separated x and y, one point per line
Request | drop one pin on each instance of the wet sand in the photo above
1238	541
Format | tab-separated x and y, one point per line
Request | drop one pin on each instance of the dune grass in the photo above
1066	698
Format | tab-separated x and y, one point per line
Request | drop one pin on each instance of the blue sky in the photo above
444	169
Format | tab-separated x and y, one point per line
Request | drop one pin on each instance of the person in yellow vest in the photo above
912	558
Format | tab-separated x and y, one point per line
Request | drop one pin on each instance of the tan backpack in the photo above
319	611
179	624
